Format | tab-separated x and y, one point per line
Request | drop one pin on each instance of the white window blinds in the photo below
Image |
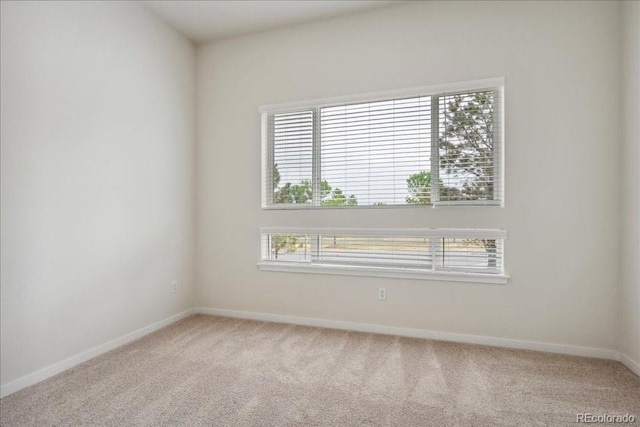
368	150
292	161
468	147
429	149
421	252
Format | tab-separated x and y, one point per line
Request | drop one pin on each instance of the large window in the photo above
417	148
444	254
421	147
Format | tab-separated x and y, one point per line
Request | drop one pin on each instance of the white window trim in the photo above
469	85
389	272
315	105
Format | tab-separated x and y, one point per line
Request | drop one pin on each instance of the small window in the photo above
447	254
430	149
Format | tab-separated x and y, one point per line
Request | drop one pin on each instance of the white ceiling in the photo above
209	20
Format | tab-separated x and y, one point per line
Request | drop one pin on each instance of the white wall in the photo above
562	164
97	177
630	238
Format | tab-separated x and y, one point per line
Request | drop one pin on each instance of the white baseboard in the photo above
629	363
602	353
63	365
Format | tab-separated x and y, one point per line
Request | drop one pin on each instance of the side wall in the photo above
630	291
562	165
97	131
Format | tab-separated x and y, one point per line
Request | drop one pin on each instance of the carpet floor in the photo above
217	371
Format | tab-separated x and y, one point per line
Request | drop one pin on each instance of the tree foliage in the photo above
466	146
303	193
419	187
337	197
276	176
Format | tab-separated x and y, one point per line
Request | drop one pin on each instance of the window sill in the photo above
400	273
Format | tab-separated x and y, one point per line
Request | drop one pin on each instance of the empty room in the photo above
327	213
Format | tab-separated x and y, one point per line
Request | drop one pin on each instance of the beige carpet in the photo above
218	371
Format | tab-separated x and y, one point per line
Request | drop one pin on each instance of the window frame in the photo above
434	91
457	274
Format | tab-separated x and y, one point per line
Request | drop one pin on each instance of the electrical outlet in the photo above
174	286
382	293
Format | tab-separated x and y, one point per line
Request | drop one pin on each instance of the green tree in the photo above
449	193
466	146
276	176
292	193
466	150
303	192
282	195
325	189
337	198
419	187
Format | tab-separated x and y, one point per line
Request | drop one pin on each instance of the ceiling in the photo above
210	20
